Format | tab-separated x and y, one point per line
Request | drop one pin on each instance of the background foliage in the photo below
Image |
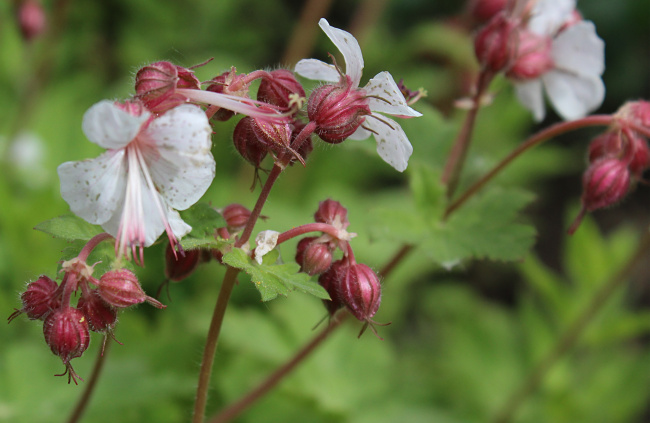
465	333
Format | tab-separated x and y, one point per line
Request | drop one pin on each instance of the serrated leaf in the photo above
272	280
203	219
69	227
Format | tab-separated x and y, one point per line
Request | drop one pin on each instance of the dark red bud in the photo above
331	280
338	110
247	143
332	213
608	144
101	316
39	299
66	333
156	85
180	266
120	288
279	87
236	216
533	57
313	258
495	45
605	182
360	291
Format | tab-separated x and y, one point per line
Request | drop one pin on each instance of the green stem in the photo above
79	409
571	335
538	138
229	280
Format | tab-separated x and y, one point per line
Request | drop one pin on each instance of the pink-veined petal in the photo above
549	15
349	48
110	127
317	70
392	144
94	188
384	96
179	158
531	95
579	50
573	96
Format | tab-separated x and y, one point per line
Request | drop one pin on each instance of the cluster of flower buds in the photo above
617	160
67	328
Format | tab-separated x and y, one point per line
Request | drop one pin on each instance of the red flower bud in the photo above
313	258
332	213
533	57
236	216
31	19
228	83
608	144
247	143
66	333
277	89
338	110
120	288
484	10
39	299
180	266
101	316
495	44
360	291
156	85
331	279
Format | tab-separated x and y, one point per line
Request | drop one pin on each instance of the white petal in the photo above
530	94
317	70
180	162
266	241
350	49
549	15
573	96
110	127
390	99
392	144
94	188
578	49
360	134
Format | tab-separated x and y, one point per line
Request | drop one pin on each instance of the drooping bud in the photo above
608	144
39	299
120	288
533	57
31	19
338	110
331	279
625	145
313	257
236	216
360	291
247	143
156	85
332	213
279	89
495	45
101	316
180	266
66	333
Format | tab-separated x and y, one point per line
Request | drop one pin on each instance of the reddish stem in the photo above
79	409
309	227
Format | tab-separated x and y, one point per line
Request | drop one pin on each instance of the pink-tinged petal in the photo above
392	144
549	15
384	96
573	96
242	105
531	95
110	127
349	47
316	70
579	50
94	188
179	158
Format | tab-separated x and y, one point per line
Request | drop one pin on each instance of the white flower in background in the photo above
153	167
381	93
574	59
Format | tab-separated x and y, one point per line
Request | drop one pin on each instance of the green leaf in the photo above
69	227
272	280
203	219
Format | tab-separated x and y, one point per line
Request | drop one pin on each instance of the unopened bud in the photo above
278	89
31	19
360	291
533	57
39	299
156	85
101	316
236	216
247	143
332	213
331	280
313	257
180	266
66	333
120	288
495	45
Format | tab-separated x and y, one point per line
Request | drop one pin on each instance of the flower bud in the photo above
338	110
101	316
331	279
605	182
31	19
495	45
484	10
247	143
228	83
120	288
313	257
332	213
360	291
39	299
180	266
278	89
66	333
607	144
156	85
236	217
533	57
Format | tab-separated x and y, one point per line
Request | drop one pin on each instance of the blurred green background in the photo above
461	341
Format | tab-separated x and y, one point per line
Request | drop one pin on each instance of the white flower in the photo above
574	85
381	91
153	167
266	242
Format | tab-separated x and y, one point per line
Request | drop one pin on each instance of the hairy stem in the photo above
538	138
229	280
571	335
284	370
79	409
